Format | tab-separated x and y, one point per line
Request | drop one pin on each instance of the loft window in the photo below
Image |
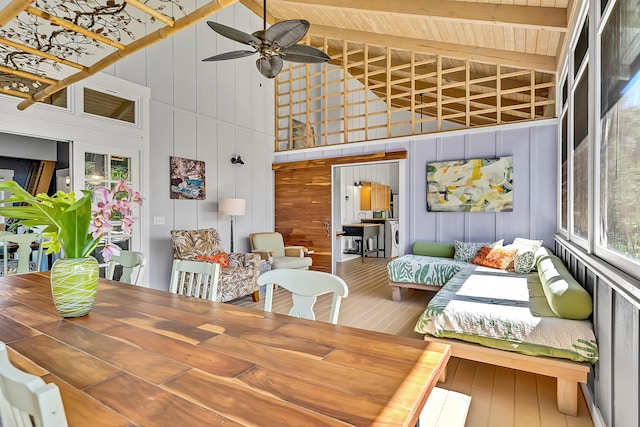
111	106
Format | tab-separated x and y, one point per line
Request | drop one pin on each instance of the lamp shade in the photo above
236	207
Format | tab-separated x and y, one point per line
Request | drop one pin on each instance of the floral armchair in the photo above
240	278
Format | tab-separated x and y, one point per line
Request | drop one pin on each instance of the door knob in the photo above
327	227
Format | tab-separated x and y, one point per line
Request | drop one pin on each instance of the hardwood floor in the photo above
499	396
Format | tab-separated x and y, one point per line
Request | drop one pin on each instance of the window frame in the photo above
614	258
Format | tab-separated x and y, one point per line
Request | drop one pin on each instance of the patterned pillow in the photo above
220	258
465	251
499	257
524	262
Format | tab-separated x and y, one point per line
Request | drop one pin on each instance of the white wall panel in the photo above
129	68
159	70
206	72
184	62
161	142
207	138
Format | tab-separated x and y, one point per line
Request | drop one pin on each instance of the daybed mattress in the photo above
424	270
510	312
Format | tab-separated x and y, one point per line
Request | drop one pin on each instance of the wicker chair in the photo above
237	280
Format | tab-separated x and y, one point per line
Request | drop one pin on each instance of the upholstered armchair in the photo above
238	279
270	246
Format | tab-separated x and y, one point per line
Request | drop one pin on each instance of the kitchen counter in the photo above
364	231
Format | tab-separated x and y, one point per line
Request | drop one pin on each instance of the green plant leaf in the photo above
74	228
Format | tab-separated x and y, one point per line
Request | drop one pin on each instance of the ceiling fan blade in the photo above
305	54
230	55
233	34
287	33
269	67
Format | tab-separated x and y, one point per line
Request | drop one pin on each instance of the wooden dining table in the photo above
151	358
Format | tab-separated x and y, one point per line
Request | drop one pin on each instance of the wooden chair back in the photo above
305	286
197	279
26	400
24	251
133	266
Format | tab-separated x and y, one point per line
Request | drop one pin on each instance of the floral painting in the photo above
187	179
476	185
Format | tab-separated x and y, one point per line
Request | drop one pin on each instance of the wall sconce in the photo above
358	184
237	160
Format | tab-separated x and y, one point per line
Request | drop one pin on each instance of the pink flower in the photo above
136	198
127	223
109	251
99	225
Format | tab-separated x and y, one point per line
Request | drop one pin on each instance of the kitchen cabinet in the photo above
375	197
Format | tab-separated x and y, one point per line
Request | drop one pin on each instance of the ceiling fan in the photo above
274	44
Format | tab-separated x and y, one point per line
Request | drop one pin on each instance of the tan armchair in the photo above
270	246
237	280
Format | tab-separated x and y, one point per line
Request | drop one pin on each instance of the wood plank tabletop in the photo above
152	358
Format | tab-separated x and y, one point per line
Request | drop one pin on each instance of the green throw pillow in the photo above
443	250
564	294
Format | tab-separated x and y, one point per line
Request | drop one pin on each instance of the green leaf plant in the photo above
70	223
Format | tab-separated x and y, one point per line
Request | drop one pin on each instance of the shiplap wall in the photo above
534	151
614	383
206	111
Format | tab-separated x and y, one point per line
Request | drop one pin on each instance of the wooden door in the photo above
303	202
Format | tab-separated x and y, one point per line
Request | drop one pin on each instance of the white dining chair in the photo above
133	265
197	279
24	252
26	400
305	286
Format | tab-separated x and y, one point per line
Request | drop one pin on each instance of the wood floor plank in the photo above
503	398
481	392
526	400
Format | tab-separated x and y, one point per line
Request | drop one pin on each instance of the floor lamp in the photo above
232	207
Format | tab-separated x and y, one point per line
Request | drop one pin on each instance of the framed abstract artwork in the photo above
476	185
187	179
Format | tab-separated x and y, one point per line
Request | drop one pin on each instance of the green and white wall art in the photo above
475	185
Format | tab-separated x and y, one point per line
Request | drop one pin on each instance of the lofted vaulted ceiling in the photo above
519	33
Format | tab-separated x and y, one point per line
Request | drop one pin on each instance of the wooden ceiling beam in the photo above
480	54
152	12
533	17
33	51
73	27
12	10
26	75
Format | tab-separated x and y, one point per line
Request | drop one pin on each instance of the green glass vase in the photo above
74	285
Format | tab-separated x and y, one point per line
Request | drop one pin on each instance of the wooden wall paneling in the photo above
603	326
626	354
296	190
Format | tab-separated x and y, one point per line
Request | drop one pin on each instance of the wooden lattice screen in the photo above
369	92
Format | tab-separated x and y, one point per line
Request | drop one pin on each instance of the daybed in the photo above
535	322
